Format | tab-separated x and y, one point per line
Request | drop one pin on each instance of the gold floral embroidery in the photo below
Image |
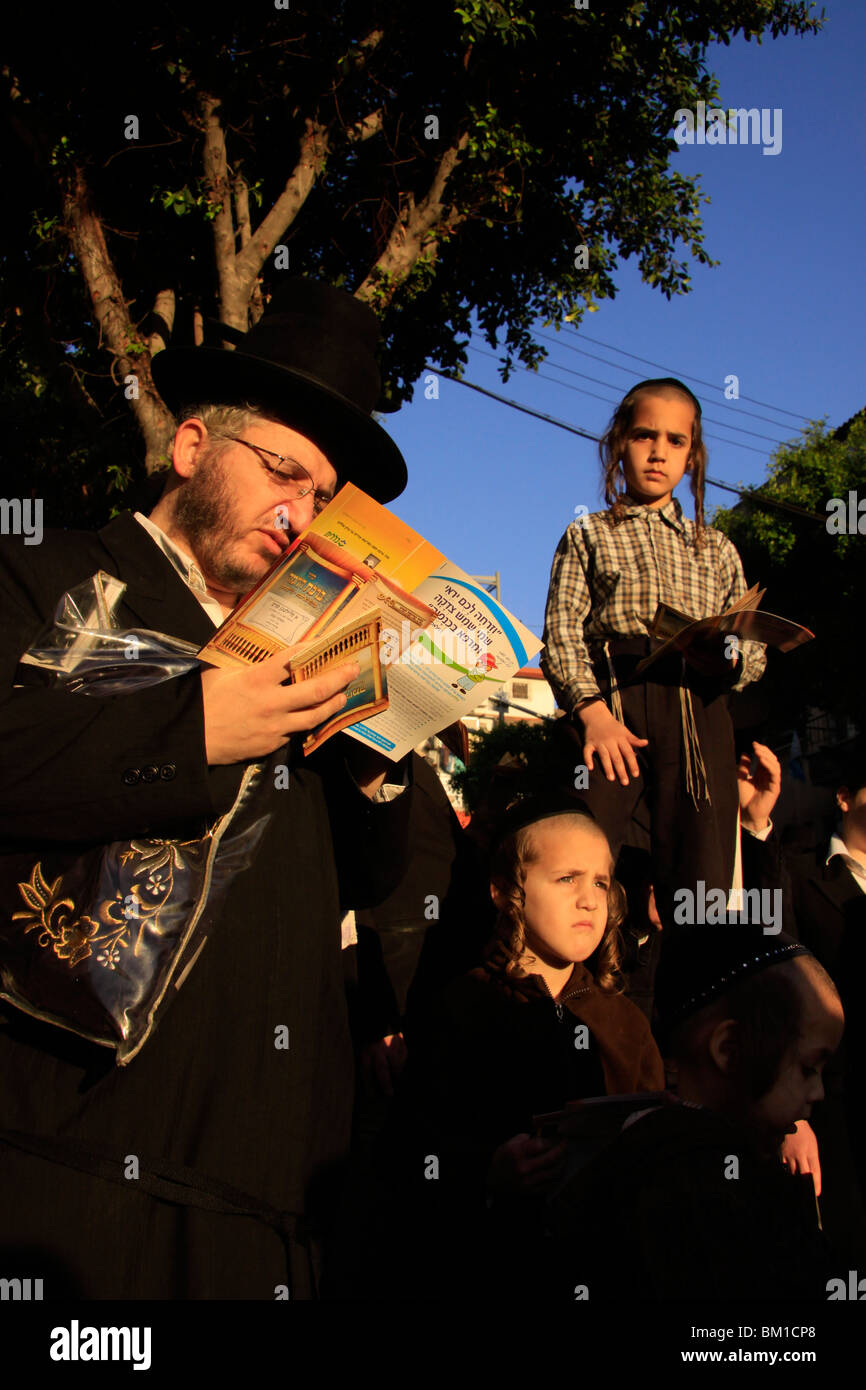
136	902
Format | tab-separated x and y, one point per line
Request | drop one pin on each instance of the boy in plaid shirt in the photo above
660	755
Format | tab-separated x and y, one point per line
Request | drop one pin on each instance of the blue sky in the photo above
784	311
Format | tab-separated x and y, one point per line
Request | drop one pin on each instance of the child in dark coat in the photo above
704	1207
541	1023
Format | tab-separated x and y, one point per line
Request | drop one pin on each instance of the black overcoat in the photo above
236	1141
681	1206
825	908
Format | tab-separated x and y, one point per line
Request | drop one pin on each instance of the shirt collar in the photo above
183	563
671	512
838	846
185	566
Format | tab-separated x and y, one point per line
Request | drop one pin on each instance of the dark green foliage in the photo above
813	575
565	118
536	762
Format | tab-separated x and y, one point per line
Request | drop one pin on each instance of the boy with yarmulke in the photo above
704	1208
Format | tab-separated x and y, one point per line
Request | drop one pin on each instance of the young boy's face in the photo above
565	891
799	1084
657	448
852	804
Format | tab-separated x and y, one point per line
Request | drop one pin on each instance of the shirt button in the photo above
167	771
131	776
149	774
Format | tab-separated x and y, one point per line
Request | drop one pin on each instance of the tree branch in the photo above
363	129
232	307
241	193
116	329
314	151
163	309
415	233
366	46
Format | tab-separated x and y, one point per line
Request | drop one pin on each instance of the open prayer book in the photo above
677	630
358	584
588	1126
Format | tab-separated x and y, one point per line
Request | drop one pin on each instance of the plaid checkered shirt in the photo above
607	581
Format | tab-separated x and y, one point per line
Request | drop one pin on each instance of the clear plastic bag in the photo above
86	652
102	940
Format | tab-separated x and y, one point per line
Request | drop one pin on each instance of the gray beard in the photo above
203	512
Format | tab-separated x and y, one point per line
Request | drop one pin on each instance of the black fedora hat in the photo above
310	362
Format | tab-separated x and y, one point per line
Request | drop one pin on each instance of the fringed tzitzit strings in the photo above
695	769
615	696
696	772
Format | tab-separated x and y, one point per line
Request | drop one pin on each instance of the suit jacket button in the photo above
149	774
131	776
167	771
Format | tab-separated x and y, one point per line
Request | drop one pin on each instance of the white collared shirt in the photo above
185	566
856	866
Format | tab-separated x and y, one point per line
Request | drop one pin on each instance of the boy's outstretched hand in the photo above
611	741
799	1153
758	790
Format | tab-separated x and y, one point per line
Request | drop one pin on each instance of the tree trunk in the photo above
234	293
130	356
163	310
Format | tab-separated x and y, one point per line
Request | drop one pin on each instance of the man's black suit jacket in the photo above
210	1103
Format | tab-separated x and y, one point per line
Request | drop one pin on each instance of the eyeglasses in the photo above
287	470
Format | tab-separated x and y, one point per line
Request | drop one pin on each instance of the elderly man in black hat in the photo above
204	1168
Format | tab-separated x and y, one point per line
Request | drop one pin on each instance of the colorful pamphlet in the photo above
359	584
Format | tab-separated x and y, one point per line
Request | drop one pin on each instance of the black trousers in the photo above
689	843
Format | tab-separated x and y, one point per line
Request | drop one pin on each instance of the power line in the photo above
723	424
774	503
581	390
750	494
551	338
515	405
780	410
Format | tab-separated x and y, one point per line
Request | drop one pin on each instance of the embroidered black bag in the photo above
98	945
98	942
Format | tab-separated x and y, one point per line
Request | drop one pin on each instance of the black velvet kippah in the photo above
701	963
526	810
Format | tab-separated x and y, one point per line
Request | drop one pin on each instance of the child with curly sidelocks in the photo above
658	741
705	1207
541	1023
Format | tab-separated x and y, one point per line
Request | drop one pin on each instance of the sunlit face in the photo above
566	890
657	448
236	517
799	1084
